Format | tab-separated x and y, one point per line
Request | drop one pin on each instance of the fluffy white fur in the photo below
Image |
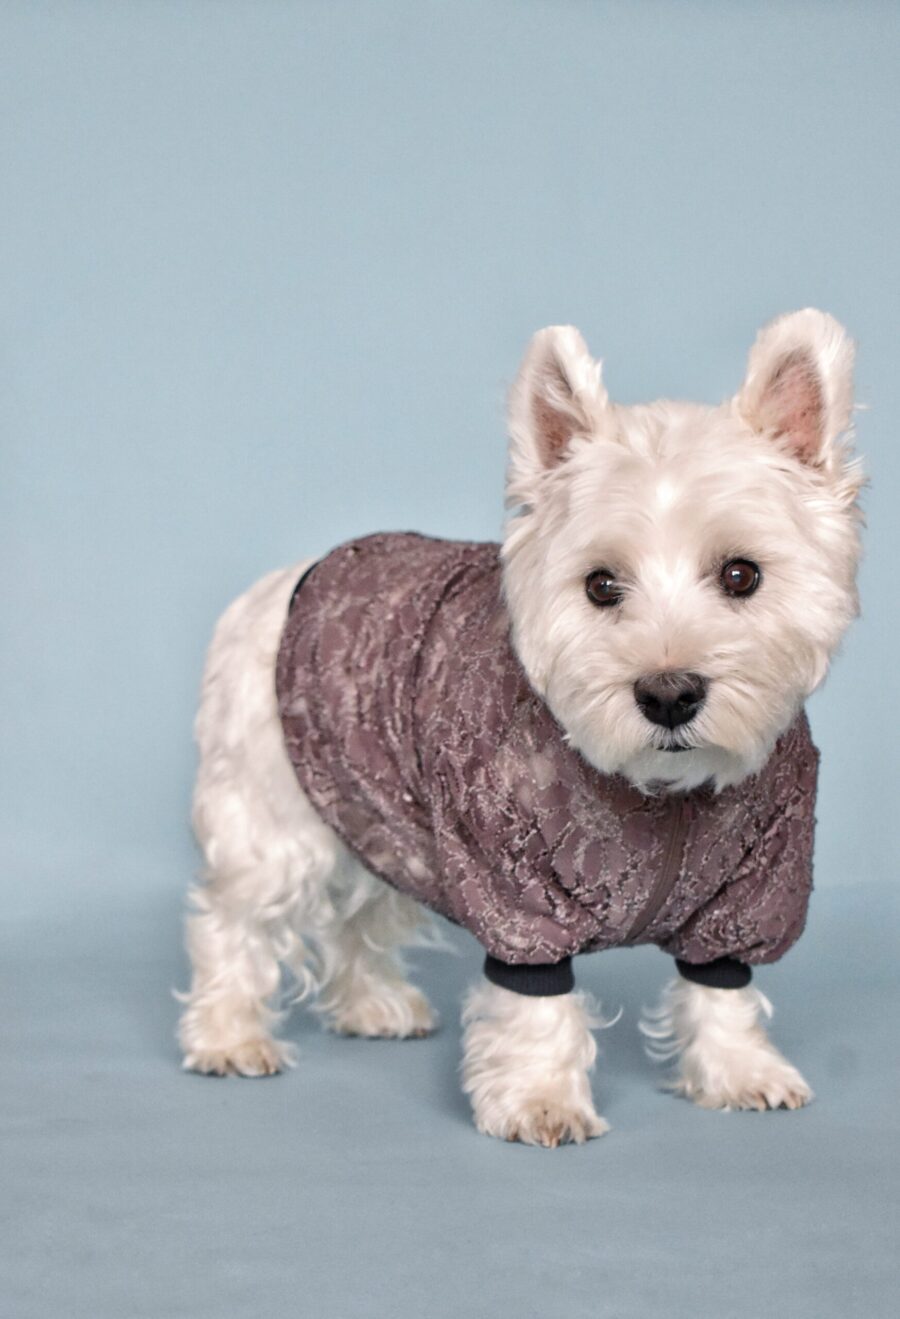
725	1058
662	495
527	1063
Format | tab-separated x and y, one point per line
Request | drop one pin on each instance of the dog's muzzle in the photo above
670	698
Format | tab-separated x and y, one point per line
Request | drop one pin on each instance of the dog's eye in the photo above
740	577
602	588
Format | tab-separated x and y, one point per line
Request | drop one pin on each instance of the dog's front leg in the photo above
724	1057
526	1065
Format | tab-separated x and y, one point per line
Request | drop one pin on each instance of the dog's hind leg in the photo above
280	888
226	1025
364	986
269	858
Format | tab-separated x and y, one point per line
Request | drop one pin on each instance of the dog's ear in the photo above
558	395
799	384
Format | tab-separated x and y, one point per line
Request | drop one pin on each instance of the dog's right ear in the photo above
799	385
557	396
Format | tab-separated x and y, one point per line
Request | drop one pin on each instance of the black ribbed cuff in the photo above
544	981
723	973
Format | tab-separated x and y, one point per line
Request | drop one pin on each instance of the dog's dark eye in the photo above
740	577
602	588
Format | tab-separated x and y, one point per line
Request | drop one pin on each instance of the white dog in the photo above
590	736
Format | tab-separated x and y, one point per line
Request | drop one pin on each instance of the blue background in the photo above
266	272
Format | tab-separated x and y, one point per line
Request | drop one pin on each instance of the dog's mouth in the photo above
672	746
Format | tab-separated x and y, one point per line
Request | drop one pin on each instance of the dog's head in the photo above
679	576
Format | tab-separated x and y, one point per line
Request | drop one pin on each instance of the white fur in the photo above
724	1058
662	494
527	1063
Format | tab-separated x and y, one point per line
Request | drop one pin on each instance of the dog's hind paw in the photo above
259	1057
390	1011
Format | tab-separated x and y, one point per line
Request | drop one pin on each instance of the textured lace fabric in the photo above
416	735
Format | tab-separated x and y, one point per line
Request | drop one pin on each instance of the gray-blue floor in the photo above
356	1186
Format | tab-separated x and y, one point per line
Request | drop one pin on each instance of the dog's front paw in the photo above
526	1066
546	1122
725	1057
757	1078
259	1057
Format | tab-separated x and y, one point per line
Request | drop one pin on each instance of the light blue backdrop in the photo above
267	270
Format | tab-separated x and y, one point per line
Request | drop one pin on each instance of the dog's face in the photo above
679	576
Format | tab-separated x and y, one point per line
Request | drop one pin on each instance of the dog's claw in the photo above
785	1089
550	1125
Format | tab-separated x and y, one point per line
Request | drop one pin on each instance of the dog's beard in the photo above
653	771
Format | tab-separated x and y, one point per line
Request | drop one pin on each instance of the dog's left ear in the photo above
558	395
799	384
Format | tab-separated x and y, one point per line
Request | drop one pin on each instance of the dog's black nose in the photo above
670	698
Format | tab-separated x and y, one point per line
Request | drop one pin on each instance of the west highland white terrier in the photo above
591	736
